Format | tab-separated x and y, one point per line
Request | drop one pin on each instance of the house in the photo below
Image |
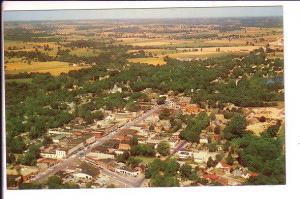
58	131
212	177
241	172
201	156
216	137
203	141
124	138
45	163
98	162
118	152
184	100
61	153
172	104
191	109
77	133
124	147
127	171
70	145
48	152
116	89
184	154
215	178
82	176
98	134
222	165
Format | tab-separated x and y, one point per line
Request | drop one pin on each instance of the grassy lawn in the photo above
145	160
53	67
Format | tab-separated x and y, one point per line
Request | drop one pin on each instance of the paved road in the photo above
41	177
127	181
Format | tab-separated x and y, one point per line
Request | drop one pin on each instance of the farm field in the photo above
189	53
148	60
84	52
53	67
141	42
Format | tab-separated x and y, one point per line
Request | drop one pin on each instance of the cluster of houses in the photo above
151	131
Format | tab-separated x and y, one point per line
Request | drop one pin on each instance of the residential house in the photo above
203	141
222	165
216	178
201	156
184	154
124	147
98	134
116	89
192	109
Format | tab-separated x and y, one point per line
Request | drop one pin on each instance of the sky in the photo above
142	13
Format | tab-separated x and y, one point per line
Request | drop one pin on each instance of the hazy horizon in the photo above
143	13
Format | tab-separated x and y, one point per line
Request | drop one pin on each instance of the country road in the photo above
42	177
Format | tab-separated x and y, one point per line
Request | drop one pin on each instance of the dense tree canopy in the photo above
235	128
163	173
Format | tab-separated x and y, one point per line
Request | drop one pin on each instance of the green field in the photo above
22	80
84	52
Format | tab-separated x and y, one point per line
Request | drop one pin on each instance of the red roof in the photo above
46	160
224	165
77	133
217	137
253	174
216	178
210	176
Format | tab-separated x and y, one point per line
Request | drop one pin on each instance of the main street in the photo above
42	177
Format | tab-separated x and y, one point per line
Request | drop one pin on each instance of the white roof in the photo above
200	154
